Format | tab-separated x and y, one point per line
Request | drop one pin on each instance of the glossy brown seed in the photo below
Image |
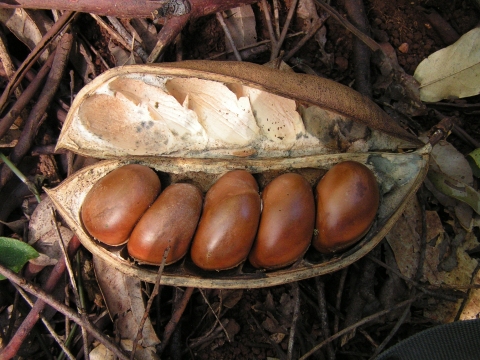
117	201
170	221
287	222
229	222
347	202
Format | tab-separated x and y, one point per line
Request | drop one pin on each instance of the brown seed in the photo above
117	201
170	221
229	222
287	222
347	202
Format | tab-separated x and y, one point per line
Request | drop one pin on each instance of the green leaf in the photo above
15	253
474	160
456	189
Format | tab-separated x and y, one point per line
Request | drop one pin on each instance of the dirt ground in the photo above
258	322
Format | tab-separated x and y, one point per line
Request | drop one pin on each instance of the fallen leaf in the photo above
404	239
471	310
121	56
446	159
16	226
15	253
241	24
43	234
451	72
455	189
124	300
474	160
28	26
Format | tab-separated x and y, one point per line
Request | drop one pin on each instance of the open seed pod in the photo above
194	121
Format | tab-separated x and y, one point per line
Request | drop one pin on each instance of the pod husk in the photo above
399	174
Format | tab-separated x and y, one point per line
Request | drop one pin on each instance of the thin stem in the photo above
31	186
357	324
276	49
43	296
149	303
228	35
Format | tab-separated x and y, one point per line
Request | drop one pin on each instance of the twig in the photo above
293	326
30	320
73	283
392	333
10	117
311	32
7	63
149	303
372	44
268	19
31	186
46	96
258	44
413	282
276	16
365	320
47	324
111	31
322	304
457	130
216	316
66	18
175	319
45	297
338	301
363	294
278	45
228	35
92	49
361	53
131	41
167	34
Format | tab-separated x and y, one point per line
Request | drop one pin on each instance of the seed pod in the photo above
229	222
195	120
117	201
347	202
170	221
286	224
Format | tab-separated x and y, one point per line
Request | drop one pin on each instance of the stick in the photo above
175	319
46	323
167	34
296	313
278	45
10	117
357	324
149	303
66	18
46	96
31	319
45	297
322	304
229	36
268	19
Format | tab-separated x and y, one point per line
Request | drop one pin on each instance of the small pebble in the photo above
403	48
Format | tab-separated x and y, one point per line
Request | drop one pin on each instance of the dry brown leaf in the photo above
471	310
451	72
404	239
124	299
28	26
43	234
242	25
